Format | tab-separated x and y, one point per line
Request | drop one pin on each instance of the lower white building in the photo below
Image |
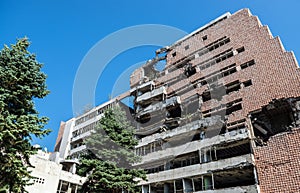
52	176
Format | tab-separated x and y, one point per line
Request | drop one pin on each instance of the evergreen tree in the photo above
110	156
21	80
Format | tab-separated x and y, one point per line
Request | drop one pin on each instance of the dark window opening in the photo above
223	130
197	184
239	50
179	186
208	155
233	108
214	45
183	63
186	47
157	188
196	137
204	38
185	160
218	74
189	70
228	72
145	118
233	86
169	186
240	176
247	83
247	64
174	112
228	108
204	82
220	42
216	59
233	151
174	54
206	96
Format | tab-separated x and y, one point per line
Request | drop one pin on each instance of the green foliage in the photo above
110	156
21	80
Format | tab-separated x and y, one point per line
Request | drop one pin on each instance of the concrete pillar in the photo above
73	168
174	186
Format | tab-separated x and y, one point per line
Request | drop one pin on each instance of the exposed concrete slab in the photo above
206	122
160	105
153	93
194	146
198	169
240	189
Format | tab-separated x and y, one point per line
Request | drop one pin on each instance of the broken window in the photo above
206	96
189	70
276	117
174	112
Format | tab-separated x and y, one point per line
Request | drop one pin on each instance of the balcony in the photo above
209	122
81	136
199	169
159	106
149	95
192	146
78	149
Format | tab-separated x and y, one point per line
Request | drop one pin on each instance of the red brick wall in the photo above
59	136
275	74
278	163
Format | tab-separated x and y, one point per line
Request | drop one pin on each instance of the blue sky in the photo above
62	33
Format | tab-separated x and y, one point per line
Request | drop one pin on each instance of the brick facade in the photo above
278	163
243	68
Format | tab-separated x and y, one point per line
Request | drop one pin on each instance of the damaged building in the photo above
223	115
